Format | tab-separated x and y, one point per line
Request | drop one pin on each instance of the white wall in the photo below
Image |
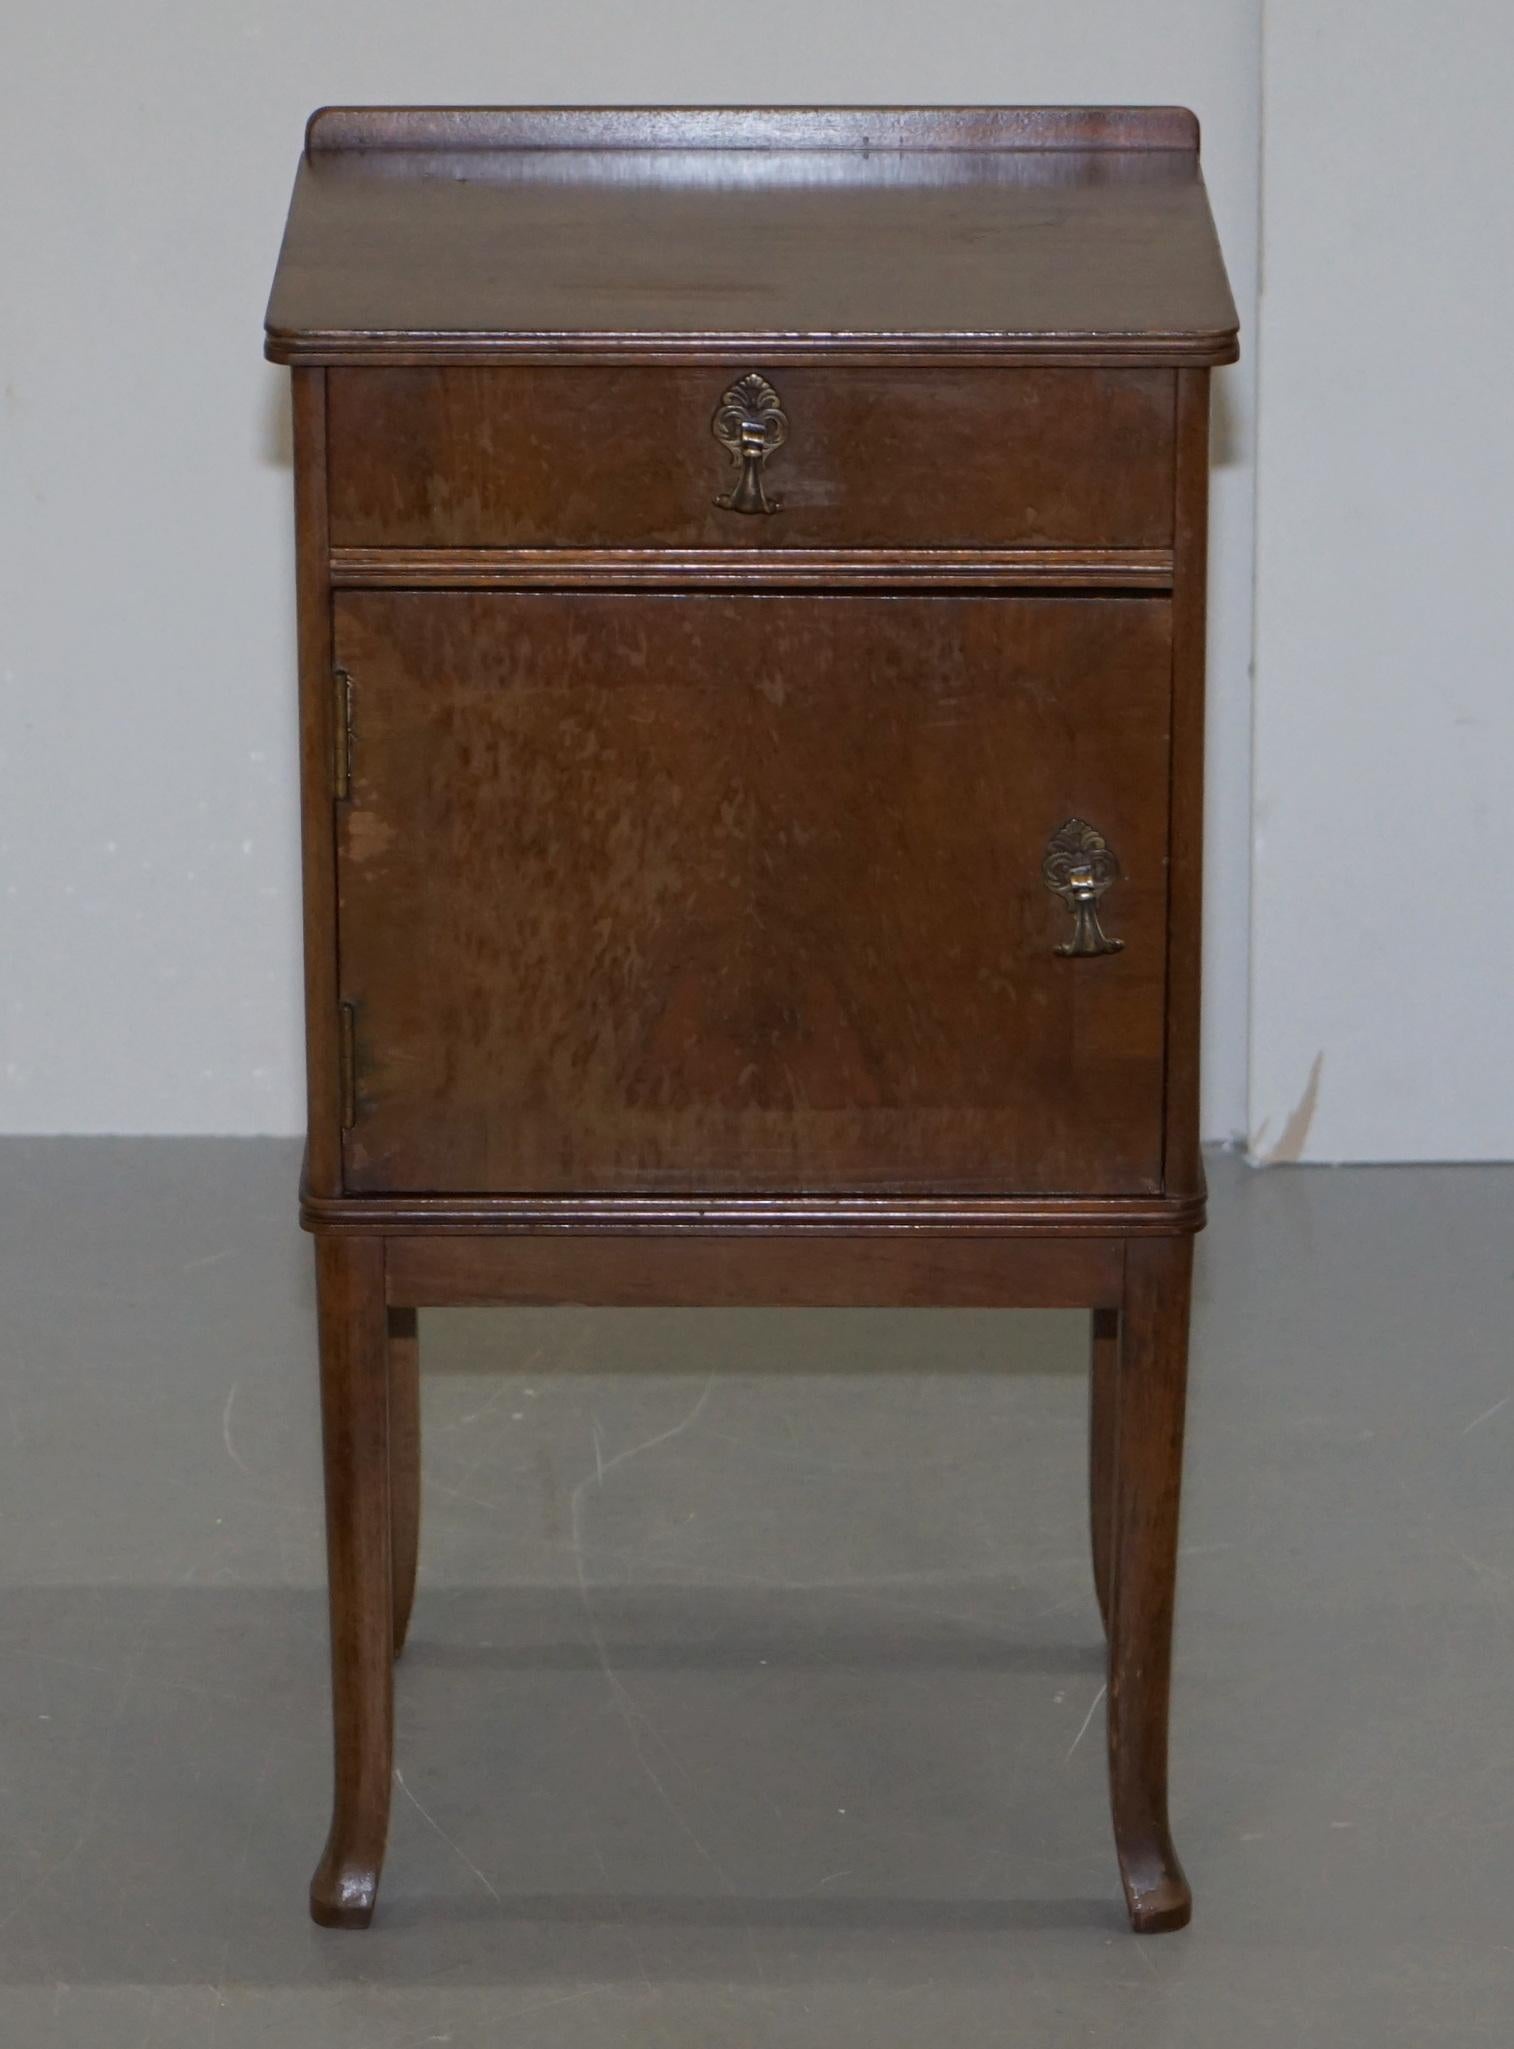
149	926
1383	944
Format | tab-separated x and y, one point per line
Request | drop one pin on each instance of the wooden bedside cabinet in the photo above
751	595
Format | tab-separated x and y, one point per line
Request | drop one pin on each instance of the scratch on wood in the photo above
368	836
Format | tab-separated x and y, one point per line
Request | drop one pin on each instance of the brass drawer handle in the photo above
750	424
1079	866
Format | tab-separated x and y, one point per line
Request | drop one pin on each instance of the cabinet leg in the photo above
1152	1381
355	1432
404	1464
1103	1392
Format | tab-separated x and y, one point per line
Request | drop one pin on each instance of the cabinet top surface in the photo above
1058	233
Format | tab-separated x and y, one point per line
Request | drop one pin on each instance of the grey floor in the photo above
754	1695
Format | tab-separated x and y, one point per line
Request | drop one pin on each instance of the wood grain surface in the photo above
450	130
796	1270
525	456
744	893
417	236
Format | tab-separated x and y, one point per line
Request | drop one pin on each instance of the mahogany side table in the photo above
751	606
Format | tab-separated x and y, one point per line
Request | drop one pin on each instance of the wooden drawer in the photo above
584	456
705	892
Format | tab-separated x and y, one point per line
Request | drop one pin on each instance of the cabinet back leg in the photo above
1103	1391
1152	1384
355	1434
404	1464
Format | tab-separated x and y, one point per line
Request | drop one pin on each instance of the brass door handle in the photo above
750	424
1079	866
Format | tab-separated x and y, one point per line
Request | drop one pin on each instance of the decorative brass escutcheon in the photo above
1079	866
750	424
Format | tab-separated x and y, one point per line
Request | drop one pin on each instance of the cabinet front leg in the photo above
355	1433
1152	1383
1103	1394
404	1464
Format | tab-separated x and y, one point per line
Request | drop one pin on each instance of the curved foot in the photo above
1157	1895
343	1892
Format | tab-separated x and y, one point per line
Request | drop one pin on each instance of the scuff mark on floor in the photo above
1487	1415
1295	1133
231	1451
1083	1731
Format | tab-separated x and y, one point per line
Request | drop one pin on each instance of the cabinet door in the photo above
744	892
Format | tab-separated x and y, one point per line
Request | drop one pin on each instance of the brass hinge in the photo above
347	1056
341	726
